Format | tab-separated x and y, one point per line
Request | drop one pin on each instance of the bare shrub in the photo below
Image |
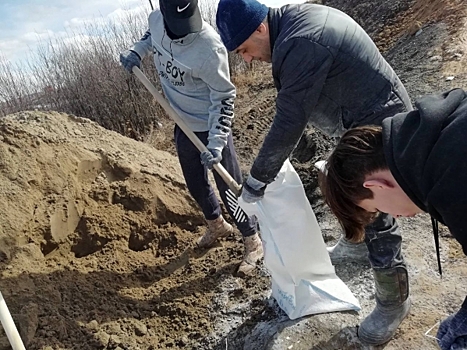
81	74
16	88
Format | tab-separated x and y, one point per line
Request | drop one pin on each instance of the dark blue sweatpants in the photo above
196	178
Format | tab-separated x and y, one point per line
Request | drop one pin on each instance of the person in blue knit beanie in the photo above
235	29
329	74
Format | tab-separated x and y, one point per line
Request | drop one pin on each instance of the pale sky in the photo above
23	23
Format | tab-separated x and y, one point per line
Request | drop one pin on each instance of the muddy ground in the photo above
97	230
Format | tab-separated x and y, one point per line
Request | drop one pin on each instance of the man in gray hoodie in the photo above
330	74
193	69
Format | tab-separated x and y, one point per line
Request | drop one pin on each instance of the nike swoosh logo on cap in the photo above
182	9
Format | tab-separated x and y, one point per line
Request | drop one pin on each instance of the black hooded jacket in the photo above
329	73
426	151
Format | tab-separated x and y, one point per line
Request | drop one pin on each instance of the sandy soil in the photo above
97	231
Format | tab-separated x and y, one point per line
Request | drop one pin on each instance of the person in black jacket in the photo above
330	74
416	162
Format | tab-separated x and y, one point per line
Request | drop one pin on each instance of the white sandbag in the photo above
303	279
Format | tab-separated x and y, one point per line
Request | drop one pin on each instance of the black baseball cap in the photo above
181	16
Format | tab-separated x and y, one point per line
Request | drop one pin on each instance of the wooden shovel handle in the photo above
9	326
229	180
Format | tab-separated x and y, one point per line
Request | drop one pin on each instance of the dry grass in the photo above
81	75
419	14
161	137
254	71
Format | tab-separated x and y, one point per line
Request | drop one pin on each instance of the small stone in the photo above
436	58
449	78
114	341
183	341
114	328
140	329
169	342
102	337
419	32
93	325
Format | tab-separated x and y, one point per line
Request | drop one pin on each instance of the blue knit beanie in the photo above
236	20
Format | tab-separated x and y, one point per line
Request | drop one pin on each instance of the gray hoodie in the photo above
194	73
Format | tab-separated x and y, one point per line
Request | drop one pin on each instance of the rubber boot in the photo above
346	250
392	306
253	253
217	228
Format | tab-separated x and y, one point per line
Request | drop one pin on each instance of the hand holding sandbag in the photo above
253	190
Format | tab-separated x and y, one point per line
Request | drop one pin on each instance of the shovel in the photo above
9	326
303	279
233	185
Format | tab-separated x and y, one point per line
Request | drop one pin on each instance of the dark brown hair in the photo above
359	153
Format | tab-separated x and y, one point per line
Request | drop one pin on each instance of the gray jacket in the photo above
328	73
195	77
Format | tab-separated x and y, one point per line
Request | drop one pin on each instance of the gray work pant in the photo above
384	241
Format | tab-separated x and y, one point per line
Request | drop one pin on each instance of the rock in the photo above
4	254
114	341
436	58
140	329
113	328
93	326
28	252
102	337
183	341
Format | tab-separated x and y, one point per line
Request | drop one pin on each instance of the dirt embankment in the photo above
97	236
97	231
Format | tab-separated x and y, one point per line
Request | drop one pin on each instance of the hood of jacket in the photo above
417	146
426	151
